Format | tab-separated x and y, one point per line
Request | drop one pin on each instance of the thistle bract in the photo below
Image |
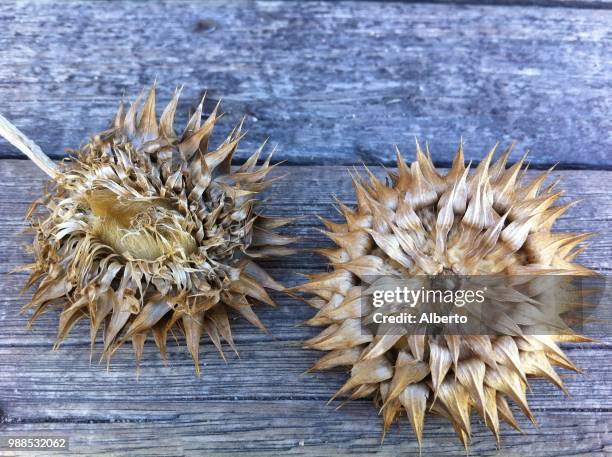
423	223
146	230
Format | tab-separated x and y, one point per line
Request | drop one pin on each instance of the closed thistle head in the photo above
419	224
147	230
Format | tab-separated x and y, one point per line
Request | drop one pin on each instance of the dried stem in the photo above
14	136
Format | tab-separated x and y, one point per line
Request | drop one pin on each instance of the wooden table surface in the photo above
334	84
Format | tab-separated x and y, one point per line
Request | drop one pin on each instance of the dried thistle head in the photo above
148	231
421	222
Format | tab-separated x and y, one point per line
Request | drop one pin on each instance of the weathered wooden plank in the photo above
308	191
589	4
299	428
573	4
261	403
331	83
266	370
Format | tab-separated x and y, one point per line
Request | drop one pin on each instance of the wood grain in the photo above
574	4
261	403
330	83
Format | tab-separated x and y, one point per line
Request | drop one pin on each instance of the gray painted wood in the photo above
330	83
589	4
261	403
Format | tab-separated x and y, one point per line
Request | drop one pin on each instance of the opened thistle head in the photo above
489	221
147	230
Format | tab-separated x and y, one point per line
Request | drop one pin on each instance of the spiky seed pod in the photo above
148	231
421	222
